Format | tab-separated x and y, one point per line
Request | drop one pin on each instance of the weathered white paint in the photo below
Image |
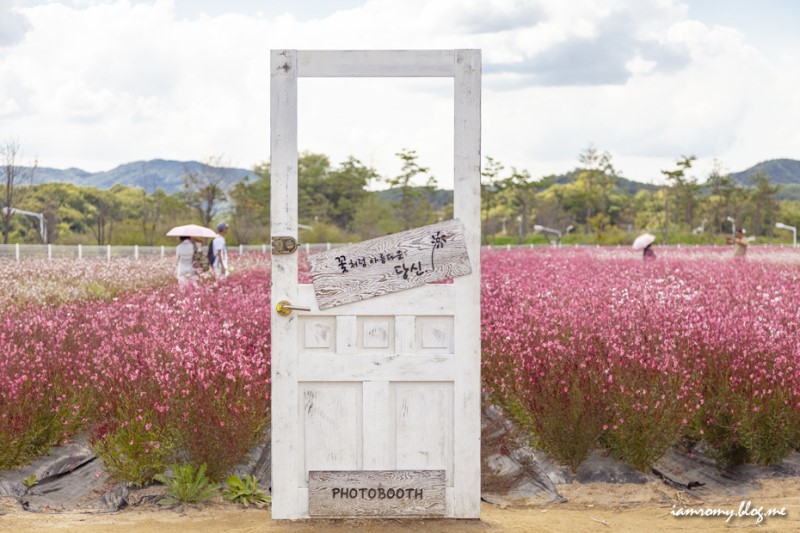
346	338
378	453
376	333
285	416
389	383
318	332
436	335
376	63
404	334
376	367
424	426
384	265
331	428
467	208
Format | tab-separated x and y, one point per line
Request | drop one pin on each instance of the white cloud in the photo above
13	24
100	83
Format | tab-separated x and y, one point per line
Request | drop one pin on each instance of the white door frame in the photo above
464	66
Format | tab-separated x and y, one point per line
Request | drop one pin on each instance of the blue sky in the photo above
765	23
97	83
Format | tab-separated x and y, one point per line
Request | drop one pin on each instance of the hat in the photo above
222	226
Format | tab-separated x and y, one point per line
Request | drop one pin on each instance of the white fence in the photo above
18	252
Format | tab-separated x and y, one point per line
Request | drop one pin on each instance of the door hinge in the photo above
284	245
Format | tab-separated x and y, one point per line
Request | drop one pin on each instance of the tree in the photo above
720	186
374	218
251	198
151	209
597	179
204	189
312	173
520	194
345	190
414	203
105	210
677	179
14	184
64	208
490	187
549	211
764	203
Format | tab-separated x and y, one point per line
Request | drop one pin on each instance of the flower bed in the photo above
587	348
583	347
152	376
48	282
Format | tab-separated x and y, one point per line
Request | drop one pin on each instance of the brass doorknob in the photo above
285	308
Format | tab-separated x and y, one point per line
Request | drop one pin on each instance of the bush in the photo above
186	485
564	396
26	435
650	404
219	431
769	428
136	449
245	491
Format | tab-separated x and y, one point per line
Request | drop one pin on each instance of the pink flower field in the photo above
151	375
589	348
583	348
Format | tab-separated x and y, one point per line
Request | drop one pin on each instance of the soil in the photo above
588	507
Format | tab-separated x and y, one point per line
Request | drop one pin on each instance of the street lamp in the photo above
39	216
733	224
701	228
543	229
793	229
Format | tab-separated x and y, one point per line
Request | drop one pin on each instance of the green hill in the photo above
780	171
149	175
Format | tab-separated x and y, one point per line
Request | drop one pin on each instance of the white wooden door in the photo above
393	382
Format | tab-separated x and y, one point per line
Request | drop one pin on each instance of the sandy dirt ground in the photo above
590	507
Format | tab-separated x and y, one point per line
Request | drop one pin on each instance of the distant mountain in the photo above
441	197
780	172
168	175
624	184
149	175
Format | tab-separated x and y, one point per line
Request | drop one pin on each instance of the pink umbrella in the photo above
191	230
643	241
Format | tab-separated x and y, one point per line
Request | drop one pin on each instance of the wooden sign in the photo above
376	493
389	264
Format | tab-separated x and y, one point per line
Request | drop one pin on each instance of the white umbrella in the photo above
643	241
191	230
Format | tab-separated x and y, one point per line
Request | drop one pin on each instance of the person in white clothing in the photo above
187	277
220	251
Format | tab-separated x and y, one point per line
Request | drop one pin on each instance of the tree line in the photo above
343	203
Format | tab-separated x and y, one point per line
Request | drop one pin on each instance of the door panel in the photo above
423	416
389	382
331	427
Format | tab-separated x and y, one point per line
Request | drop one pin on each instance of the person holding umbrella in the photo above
190	236
187	275
645	242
